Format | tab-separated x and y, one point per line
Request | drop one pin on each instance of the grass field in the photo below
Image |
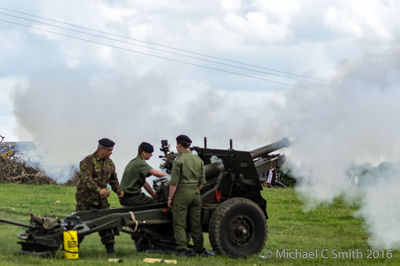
328	230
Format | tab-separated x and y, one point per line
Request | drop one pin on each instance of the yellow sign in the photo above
71	245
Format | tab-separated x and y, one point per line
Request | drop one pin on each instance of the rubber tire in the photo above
224	215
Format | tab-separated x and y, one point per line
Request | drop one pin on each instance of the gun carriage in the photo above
234	213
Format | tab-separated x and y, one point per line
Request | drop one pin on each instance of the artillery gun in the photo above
233	211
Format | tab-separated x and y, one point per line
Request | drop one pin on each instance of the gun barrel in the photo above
283	143
16	223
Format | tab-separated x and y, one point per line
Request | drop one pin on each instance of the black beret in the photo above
183	138
105	142
147	147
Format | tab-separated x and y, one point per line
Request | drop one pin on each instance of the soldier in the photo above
187	178
134	178
96	171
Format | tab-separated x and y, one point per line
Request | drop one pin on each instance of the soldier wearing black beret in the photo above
96	172
183	140
107	143
187	178
134	178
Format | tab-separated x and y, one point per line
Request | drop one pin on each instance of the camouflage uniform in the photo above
95	174
187	174
132	182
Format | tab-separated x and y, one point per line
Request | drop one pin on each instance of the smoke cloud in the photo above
65	113
95	92
351	122
350	128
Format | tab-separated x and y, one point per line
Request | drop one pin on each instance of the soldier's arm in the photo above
171	194
148	188
157	173
174	181
175	174
202	180
114	183
86	176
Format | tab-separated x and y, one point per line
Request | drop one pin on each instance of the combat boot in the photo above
186	252
205	253
110	249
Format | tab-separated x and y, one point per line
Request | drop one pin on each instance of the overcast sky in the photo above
324	72
60	91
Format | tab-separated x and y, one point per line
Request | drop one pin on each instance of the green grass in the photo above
330	227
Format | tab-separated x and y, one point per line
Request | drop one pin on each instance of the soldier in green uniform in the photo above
187	178
96	172
134	178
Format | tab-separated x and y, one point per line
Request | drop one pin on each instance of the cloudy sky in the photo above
253	71
307	38
324	72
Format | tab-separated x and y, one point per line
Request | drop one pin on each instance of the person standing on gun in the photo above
134	178
187	178
96	172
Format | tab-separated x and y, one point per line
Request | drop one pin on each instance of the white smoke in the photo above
380	210
67	113
351	122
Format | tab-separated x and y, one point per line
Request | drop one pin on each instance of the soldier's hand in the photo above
169	202
104	192
121	194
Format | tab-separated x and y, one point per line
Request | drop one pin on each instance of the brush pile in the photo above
14	170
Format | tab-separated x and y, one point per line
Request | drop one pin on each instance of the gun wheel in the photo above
238	228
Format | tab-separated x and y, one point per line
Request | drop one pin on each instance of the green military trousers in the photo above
187	203
135	199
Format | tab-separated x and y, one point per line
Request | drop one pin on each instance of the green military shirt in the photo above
187	169
95	174
135	175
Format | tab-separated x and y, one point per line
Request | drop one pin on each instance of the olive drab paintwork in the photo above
187	174
95	174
